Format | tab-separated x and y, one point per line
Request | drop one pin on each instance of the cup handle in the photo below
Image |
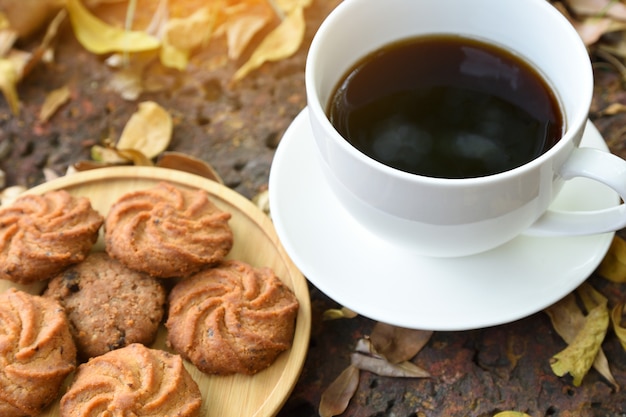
597	165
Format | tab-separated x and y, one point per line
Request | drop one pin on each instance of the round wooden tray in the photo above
255	242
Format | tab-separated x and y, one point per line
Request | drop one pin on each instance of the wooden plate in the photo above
255	242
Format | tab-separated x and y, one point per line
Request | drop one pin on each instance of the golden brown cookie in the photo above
40	235
36	353
232	318
108	305
132	381
167	231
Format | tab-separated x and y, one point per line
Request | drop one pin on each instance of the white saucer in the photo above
389	283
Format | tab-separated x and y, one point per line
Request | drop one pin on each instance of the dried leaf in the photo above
278	44
398	344
367	358
182	162
100	38
578	357
606	8
616	318
337	396
148	131
9	78
338	313
242	22
107	155
511	414
54	100
182	35
568	320
29	16
135	156
380	366
262	201
613	266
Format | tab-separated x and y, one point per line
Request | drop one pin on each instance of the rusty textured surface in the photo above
475	373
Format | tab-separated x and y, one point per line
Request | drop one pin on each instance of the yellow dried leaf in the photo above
182	35
54	100
100	38
241	29
616	318
148	131
27	17
337	396
287	6
567	320
613	266
9	78
338	313
511	414
578	357
107	155
282	42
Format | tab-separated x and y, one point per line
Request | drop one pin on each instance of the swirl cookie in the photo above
36	353
108	305
40	235
132	381
167	231
232	318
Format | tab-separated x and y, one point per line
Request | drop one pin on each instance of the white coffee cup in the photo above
457	217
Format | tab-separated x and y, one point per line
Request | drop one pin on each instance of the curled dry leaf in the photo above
54	100
599	8
337	396
398	344
9	78
585	346
613	266
367	358
148	131
338	313
187	163
262	201
617	313
99	37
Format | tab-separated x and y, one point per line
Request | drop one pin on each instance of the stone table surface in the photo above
237	129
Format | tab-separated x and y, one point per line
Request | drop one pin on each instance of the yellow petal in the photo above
100	38
282	42
148	131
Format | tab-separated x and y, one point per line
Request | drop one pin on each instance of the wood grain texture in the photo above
255	242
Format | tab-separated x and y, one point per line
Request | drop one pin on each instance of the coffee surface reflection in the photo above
446	106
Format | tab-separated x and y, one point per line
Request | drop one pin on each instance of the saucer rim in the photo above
293	141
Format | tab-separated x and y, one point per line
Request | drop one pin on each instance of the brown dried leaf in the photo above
617	313
582	351
148	131
29	16
187	163
54	100
337	396
613	266
398	344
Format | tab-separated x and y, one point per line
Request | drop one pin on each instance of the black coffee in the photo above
446	106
